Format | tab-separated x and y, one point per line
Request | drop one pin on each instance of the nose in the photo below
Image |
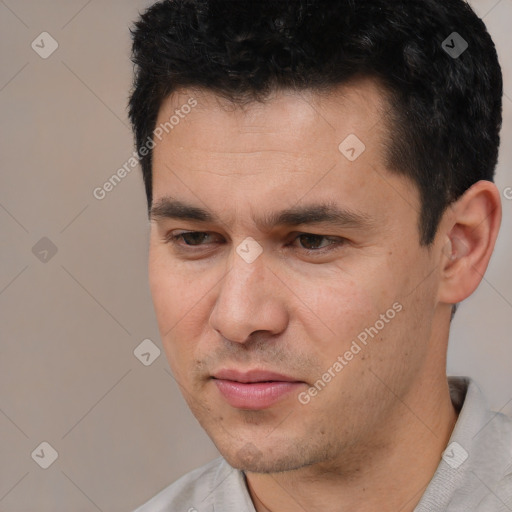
251	298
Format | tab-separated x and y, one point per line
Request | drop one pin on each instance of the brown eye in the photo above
309	239
191	238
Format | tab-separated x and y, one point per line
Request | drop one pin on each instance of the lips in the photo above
252	376
254	389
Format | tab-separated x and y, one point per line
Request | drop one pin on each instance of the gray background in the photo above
70	324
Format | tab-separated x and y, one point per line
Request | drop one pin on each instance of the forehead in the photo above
293	115
294	146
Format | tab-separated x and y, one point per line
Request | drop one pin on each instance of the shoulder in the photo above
189	492
493	471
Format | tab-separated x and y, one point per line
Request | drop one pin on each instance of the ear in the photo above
468	233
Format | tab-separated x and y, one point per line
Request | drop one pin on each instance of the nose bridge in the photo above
247	301
245	282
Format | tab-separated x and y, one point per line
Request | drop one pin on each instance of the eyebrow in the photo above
318	213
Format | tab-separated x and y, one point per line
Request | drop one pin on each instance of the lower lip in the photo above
256	395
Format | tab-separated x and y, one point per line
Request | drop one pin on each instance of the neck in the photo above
390	478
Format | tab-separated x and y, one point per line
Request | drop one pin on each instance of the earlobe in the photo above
469	239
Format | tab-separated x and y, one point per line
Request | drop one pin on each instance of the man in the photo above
319	183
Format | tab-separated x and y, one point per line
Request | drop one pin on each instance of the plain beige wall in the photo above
69	326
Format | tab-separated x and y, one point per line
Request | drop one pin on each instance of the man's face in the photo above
290	311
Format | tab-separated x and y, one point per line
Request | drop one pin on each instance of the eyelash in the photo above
173	239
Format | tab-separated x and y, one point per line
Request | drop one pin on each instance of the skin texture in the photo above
372	438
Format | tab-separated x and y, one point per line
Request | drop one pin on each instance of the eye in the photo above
195	238
312	239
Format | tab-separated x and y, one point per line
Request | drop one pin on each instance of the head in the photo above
332	164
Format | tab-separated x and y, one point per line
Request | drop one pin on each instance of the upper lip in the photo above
252	376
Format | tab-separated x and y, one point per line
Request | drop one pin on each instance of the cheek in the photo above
175	287
338	306
360	317
177	299
343	304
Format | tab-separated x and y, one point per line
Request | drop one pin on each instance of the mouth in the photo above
254	389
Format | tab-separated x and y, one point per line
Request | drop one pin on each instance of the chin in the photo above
256	459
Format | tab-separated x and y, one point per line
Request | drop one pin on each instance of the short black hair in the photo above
445	110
